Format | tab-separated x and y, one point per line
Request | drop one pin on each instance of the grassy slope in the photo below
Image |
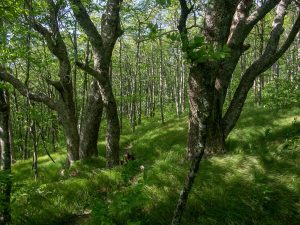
256	182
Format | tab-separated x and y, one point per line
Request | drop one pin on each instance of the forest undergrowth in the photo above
256	182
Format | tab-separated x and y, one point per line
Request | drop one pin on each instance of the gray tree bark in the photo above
103	44
66	104
89	131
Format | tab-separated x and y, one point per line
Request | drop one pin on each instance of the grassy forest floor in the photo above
256	182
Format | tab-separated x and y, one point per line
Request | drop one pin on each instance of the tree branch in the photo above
91	71
185	11
47	35
56	84
291	37
53	39
38	97
87	25
266	60
260	13
53	11
110	24
37	26
236	36
242	23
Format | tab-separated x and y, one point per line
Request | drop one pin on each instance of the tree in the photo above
5	158
65	106
225	24
78	146
103	45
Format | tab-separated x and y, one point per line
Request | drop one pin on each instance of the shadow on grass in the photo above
256	182
276	148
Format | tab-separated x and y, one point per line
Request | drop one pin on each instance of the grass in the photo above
256	182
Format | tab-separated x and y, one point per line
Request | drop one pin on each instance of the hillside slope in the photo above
256	182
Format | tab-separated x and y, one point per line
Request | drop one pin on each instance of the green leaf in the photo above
164	3
173	37
198	40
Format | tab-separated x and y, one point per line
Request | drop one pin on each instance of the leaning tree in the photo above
81	143
64	105
227	24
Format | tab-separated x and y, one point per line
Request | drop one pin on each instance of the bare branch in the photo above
243	23
185	11
53	11
260	13
38	27
237	28
56	84
45	33
270	55
291	37
38	97
53	39
91	71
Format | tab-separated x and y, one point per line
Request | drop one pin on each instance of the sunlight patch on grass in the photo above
255	182
238	166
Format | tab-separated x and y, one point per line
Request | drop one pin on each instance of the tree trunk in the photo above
177	84
200	97
85	86
138	73
153	90
5	180
204	96
54	137
91	123
12	150
74	78
113	126
35	149
68	121
161	85
182	85
215	137
134	103
121	86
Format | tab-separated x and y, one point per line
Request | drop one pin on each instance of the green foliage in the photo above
153	30
9	10
281	93
5	86
255	182
5	182
198	51
127	204
164	3
174	36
